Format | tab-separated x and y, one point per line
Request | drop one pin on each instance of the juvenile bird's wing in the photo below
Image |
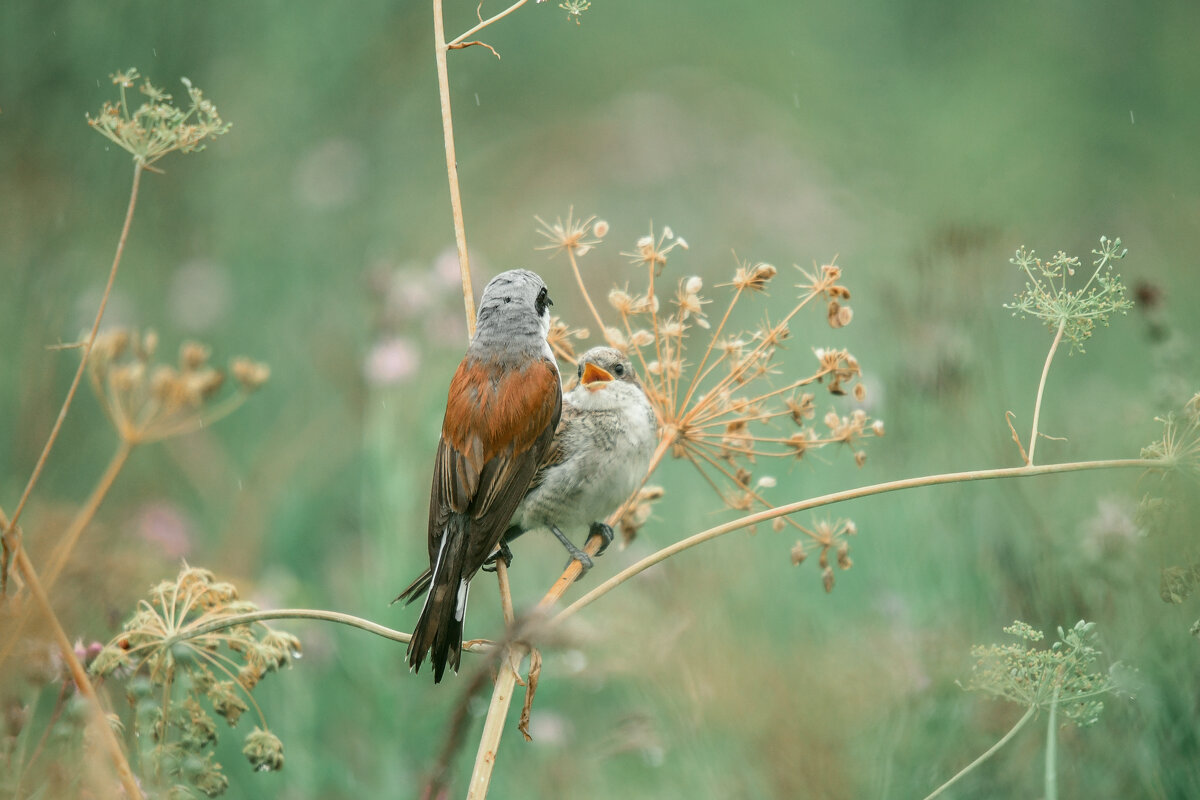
498	427
556	453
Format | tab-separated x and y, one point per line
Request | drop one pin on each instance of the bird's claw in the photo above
502	554
605	532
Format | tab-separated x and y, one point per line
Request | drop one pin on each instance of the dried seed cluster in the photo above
734	404
173	651
147	402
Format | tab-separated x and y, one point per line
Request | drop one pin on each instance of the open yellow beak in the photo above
593	375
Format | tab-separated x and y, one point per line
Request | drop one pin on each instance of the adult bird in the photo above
503	407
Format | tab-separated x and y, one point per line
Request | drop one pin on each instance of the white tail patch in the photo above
437	565
464	589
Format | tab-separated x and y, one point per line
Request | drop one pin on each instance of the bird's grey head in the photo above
514	314
612	361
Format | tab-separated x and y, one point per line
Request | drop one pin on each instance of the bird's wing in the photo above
556	453
498	426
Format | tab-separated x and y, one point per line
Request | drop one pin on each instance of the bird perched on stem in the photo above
503	407
600	454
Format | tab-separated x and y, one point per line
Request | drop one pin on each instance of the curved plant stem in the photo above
440	48
986	755
493	726
1037	405
83	684
87	351
294	613
838	497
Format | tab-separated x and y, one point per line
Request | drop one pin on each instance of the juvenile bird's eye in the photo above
580	370
619	369
543	300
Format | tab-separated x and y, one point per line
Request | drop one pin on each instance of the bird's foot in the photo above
605	532
585	561
502	554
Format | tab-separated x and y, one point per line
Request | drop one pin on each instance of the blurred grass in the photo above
920	141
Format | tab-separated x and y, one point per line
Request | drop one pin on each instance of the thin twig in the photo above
587	297
87	351
437	12
463	45
1037	406
440	48
986	755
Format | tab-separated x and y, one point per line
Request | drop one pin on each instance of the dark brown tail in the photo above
439	629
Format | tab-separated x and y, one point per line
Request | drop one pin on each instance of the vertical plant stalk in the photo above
506	680
1037	405
100	724
440	48
991	751
87	351
1051	783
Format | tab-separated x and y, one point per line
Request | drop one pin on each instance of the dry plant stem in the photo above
493	726
440	48
587	297
62	551
1037	405
437	10
301	613
84	685
991	751
838	497
87	351
506	680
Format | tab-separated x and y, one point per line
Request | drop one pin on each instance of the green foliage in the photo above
156	127
183	644
1038	677
1048	297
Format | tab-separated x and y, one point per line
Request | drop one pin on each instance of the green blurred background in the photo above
920	142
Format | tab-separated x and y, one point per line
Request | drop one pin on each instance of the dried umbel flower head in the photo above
156	127
147	402
571	235
720	403
826	537
186	643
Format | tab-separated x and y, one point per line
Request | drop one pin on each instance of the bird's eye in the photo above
580	370
543	300
619	369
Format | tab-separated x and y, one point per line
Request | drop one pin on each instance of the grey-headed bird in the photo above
502	411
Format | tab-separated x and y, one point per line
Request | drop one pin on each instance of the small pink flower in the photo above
163	524
391	361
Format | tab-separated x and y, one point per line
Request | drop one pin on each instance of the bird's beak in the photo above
593	375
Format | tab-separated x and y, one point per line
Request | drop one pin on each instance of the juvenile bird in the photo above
600	453
503	408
